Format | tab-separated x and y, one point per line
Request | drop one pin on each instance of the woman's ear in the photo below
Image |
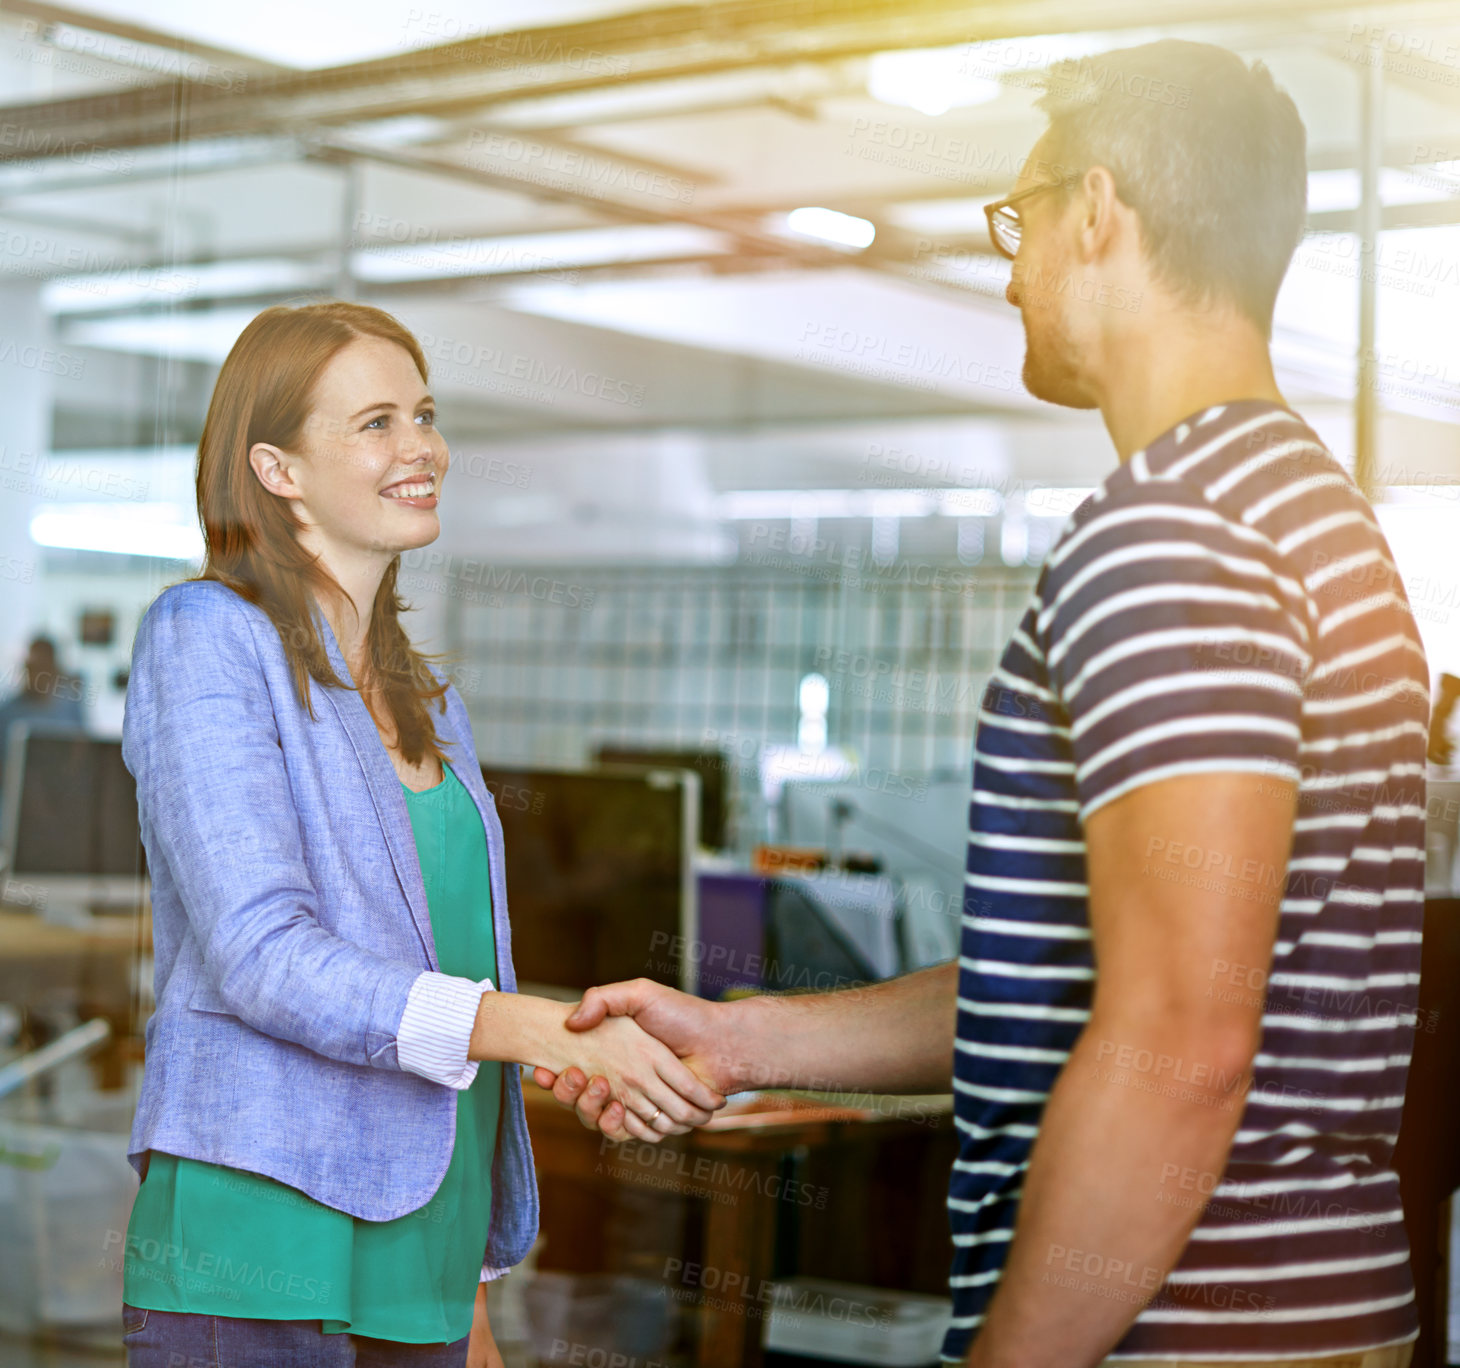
274	470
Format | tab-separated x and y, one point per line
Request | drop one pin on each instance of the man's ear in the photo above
1099	213
274	470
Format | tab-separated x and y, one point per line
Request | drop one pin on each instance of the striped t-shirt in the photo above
1224	601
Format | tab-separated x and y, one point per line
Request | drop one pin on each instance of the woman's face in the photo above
367	474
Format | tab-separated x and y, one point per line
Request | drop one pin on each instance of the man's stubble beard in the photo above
1050	372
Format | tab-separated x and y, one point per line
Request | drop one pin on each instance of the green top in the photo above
223	1241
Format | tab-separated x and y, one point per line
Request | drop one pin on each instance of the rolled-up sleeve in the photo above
436	1026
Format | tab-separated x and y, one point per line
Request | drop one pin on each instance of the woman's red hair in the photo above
264	394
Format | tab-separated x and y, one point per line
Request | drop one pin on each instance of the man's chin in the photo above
1055	385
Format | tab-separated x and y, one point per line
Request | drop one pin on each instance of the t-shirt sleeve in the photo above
1175	641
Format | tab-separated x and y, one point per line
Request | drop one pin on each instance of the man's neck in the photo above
1164	376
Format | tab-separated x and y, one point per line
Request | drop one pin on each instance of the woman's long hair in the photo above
264	394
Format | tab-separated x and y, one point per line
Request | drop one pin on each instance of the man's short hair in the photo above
1205	148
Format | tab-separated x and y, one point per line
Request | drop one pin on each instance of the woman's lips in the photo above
416	493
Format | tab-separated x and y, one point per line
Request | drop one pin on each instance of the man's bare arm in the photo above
885	1037
1140	1122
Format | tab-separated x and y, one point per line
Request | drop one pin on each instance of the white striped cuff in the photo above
435	1029
492	1274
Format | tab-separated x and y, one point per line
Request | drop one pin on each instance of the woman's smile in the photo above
413	491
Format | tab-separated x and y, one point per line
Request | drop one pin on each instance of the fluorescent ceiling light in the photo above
750	504
929	80
522	252
828	225
1340	188
203	336
153	285
166	530
401	130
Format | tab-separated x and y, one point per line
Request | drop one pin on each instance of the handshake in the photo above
647	1061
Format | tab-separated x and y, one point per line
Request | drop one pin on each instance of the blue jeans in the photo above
178	1339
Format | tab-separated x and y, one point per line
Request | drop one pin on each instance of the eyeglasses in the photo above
1005	223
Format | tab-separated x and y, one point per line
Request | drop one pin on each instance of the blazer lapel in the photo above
385	789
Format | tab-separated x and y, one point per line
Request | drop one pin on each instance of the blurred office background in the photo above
746	499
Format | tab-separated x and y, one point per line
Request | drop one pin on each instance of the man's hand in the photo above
691	1027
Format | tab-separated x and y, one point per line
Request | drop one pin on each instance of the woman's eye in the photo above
429	418
382	419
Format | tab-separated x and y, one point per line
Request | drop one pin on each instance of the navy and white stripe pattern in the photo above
1224	601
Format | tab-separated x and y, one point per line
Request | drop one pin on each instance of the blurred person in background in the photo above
1179	1029
49	697
334	1159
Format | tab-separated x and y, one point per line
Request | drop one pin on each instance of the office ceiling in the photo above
584	206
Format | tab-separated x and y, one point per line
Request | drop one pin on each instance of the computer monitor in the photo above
600	873
70	830
712	766
917	828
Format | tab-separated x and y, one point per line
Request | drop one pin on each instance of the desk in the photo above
38	959
748	1140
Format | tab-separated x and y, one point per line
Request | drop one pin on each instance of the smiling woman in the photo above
316	491
328	1122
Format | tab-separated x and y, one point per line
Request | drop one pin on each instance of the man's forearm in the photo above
1116	1182
894	1037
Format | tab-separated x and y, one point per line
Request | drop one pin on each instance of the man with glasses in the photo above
1181	1019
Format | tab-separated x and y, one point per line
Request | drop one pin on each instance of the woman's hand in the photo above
661	1095
481	1349
653	1084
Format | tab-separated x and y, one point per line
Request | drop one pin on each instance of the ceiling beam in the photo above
457	79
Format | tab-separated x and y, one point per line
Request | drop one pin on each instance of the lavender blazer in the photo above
289	922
